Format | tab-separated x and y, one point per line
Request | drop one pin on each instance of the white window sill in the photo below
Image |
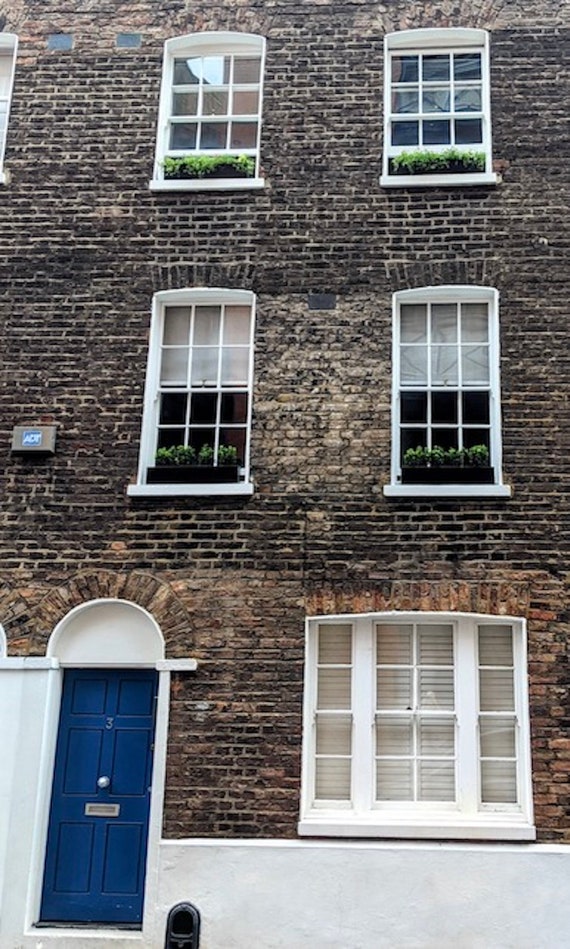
444	829
447	491
189	490
446	181
206	184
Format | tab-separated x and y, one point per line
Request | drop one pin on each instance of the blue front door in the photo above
97	838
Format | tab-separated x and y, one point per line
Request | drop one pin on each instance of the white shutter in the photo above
333	718
497	731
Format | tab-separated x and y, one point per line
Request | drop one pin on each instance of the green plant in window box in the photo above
180	464
423	161
209	166
447	465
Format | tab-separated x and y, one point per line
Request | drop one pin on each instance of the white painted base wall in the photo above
274	894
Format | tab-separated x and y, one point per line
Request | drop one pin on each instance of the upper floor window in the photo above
197	413
416	725
437	122
446	419
8	46
209	122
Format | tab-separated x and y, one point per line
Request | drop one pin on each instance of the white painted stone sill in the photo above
83	936
206	184
438	181
447	491
189	490
484	829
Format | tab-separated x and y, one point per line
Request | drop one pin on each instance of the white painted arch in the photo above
107	632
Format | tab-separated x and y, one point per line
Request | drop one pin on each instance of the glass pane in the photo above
245	103
333	735
244	135
176	325
235	365
498	782
468	131
436	737
237	322
394	736
435	645
444	365
405	100
234	407
173	408
394	688
394	781
183	135
205	366
199	437
474	323
467	99
435	67
467	66
405	68
174	366
495	645
497	737
475	408
436	132
333	688
444	323
394	644
412	438
496	690
215	70
213	135
436	99
332	779
247	69
187	71
435	688
405	133
206	325
335	644
413	364
476	436
475	363
170	437
413	406
185	103
203	408
214	103
237	438
444	408
444	438
413	323
436	781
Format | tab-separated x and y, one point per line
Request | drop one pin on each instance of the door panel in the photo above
97	838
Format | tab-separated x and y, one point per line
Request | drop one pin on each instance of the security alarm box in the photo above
33	439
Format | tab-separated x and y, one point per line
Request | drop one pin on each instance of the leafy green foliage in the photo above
205	166
206	455
475	457
227	455
448	161
177	455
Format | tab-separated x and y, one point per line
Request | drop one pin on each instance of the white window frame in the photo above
466	819
437	41
8	47
184	297
196	45
449	294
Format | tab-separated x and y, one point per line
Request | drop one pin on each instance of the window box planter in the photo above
206	167
192	474
451	161
448	474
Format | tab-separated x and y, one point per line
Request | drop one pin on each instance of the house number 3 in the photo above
109	723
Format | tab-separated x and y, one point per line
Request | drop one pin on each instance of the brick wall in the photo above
84	245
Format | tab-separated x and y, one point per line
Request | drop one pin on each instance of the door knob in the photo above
103	781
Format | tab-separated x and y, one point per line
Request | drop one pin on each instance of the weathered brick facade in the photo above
84	245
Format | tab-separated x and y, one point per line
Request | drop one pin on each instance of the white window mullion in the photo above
467	705
363	709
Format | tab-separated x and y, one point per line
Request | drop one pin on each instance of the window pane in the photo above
185	103
237	438
332	779
496	690
444	323
474	323
334	688
497	737
475	408
394	781
244	135
405	133
498	782
394	688
436	689
413	323
467	66
495	645
444	408
444	438
467	100
405	68
214	103
245	103
213	135
405	100
176	325
468	131
333	735
205	366
436	781
444	364
183	135
187	71
413	364
413	438
476	436
435	645
435	67
475	363
237	323
436	99
174	366
199	437
203	409
335	644
234	407
216	70
436	737
436	132
170	437
247	69
173	408
235	365
394	644
206	325
413	406
394	736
